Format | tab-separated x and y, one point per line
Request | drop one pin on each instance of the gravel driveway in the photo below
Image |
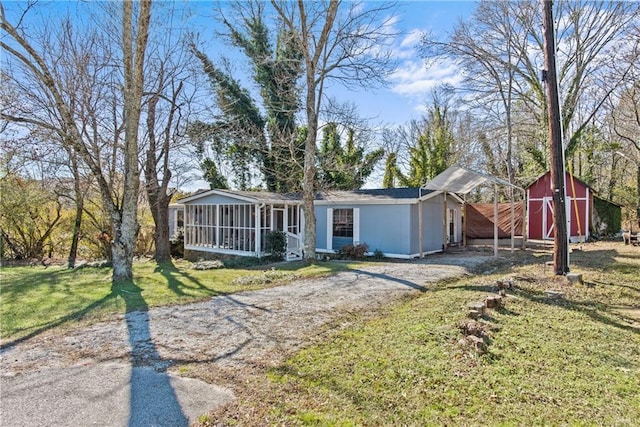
115	373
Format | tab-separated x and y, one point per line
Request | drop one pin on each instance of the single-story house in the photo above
579	206
399	222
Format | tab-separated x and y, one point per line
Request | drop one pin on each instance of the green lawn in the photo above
574	361
35	299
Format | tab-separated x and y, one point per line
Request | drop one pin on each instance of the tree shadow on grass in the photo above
603	314
153	401
383	276
176	279
76	315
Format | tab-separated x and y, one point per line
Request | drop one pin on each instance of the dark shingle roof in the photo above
371	195
378	194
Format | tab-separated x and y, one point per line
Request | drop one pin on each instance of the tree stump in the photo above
493	301
474	314
575	278
478	306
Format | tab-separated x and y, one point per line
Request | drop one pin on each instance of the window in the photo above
343	223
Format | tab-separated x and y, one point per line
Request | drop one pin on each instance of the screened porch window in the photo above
220	226
200	224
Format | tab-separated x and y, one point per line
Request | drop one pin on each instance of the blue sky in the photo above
409	86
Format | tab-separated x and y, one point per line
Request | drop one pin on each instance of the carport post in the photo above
445	224
513	219
495	220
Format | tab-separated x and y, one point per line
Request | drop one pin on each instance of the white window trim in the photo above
330	229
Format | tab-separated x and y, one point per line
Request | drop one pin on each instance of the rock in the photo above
208	265
554	294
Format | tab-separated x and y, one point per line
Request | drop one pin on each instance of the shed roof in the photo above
567	174
457	179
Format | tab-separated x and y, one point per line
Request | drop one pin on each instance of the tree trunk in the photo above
309	177
560	247
160	211
75	237
126	223
79	199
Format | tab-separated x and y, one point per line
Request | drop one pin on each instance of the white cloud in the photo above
413	79
412	39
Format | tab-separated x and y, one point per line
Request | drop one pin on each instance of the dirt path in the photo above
233	332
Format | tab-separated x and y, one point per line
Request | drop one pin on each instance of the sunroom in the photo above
238	222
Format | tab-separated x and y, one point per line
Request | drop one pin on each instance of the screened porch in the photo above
240	228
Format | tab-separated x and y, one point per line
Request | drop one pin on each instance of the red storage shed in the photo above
540	208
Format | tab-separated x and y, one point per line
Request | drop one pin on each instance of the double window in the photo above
343	223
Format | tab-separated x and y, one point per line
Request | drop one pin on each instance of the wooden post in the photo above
464	222
420	225
495	220
525	218
513	220
446	223
560	243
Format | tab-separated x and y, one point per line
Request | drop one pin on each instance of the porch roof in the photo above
248	196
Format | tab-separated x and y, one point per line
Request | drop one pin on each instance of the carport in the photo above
462	181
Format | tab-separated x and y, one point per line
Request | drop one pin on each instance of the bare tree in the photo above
625	115
168	96
339	40
500	51
81	130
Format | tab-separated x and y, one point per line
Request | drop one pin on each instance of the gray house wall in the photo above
432	226
385	228
382	227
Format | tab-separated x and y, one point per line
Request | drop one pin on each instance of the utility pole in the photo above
560	242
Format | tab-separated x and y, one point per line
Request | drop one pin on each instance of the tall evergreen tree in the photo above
245	133
431	153
344	168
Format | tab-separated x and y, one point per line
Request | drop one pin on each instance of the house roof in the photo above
249	196
381	195
372	195
457	179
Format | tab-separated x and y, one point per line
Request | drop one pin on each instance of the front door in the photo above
278	219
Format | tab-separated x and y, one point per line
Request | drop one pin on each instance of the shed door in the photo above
547	218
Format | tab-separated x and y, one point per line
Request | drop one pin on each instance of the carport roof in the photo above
457	179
